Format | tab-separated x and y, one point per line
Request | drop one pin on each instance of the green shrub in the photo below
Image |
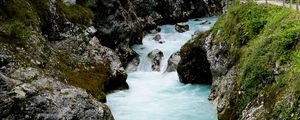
75	13
265	38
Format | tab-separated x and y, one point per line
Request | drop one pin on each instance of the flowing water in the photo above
160	95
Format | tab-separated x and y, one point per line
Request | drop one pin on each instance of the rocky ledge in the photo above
46	98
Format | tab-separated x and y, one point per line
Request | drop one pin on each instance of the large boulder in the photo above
182	27
155	56
194	66
48	99
173	62
91	66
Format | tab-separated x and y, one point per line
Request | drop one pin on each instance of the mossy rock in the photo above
194	66
266	41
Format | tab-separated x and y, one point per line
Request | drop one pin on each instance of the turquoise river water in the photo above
160	95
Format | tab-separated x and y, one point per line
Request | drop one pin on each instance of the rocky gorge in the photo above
59	58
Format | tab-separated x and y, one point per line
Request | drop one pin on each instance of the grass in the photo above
266	39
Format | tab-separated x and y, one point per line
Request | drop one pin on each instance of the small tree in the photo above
291	1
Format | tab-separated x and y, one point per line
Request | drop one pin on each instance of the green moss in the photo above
265	40
87	77
42	9
20	10
91	80
75	13
18	19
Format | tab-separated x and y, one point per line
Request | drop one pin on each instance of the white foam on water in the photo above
159	95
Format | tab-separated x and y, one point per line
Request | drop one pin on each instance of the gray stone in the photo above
157	37
90	30
182	27
70	2
25	73
133	65
48	99
173	62
155	57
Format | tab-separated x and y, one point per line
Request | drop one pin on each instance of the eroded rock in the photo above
155	56
26	73
173	62
48	99
157	37
133	65
182	27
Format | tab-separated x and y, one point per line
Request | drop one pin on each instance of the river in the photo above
160	95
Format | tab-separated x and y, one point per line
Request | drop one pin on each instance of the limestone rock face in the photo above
123	23
155	57
48	99
173	62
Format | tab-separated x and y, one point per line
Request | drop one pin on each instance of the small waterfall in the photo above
159	95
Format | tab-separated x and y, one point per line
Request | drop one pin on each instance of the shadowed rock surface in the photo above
194	66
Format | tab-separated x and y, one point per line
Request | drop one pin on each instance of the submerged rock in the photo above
157	37
161	42
182	27
155	56
205	23
173	62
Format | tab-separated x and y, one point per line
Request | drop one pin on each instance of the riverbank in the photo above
253	54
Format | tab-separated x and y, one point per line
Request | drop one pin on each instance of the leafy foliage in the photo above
267	39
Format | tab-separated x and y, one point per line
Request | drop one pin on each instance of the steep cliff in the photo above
253	53
121	23
47	46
